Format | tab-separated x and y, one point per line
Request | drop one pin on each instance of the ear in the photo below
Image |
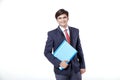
68	18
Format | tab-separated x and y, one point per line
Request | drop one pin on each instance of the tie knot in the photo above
65	30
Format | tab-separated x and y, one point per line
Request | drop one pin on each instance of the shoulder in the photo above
74	29
52	32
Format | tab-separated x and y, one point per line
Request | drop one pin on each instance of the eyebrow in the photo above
62	17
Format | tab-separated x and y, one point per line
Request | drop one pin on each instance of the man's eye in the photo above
64	17
59	18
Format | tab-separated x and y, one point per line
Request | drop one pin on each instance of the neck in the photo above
64	26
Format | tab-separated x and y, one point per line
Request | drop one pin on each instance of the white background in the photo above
23	32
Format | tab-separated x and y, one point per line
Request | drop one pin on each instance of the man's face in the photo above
62	20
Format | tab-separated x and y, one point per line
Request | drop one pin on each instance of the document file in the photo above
65	52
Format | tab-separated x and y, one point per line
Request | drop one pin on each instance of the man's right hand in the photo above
64	64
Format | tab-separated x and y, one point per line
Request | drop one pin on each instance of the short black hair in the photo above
60	12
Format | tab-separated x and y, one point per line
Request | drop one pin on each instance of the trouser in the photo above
72	76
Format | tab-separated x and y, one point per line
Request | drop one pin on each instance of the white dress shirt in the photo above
63	30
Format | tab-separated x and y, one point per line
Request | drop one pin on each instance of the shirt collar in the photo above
63	28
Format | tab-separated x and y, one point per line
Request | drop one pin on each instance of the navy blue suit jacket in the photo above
55	38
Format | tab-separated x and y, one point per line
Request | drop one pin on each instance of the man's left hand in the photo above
82	71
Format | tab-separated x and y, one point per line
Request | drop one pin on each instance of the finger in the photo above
66	61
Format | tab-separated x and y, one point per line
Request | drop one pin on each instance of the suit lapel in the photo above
71	35
61	33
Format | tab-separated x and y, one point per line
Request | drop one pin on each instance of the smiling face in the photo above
62	20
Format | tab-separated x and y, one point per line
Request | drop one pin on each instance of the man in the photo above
76	67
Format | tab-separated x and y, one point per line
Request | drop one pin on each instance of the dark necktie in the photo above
67	36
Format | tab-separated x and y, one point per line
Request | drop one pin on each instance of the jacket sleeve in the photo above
48	51
80	54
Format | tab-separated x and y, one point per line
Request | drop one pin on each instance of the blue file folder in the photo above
65	52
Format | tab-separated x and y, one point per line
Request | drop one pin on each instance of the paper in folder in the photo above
65	52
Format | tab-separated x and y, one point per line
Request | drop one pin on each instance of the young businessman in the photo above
76	67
